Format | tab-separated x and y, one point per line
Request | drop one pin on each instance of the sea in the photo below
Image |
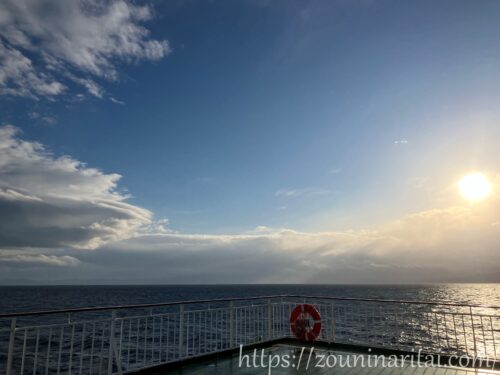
34	298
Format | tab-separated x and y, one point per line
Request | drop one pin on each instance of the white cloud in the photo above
45	42
58	200
18	76
303	192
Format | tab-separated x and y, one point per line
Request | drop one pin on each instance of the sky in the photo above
248	141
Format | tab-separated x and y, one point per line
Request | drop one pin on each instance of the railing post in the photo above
10	350
111	341
231	324
333	323
473	331
282	319
269	318
181	329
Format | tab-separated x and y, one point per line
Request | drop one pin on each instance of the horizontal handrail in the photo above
398	301
137	306
220	300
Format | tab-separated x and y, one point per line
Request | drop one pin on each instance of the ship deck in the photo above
231	364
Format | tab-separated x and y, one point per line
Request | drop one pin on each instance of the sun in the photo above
474	187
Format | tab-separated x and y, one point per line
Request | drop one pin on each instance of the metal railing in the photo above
120	339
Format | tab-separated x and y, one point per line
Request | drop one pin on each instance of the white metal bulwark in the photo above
119	339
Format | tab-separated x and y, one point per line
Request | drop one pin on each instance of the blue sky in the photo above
318	116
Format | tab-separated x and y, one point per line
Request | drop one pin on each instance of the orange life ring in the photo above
300	322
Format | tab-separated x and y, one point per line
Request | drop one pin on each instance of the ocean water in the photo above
31	298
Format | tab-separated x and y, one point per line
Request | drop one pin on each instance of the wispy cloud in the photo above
116	101
39	259
302	192
42	117
335	170
48	45
402	141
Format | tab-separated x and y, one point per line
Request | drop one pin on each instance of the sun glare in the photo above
474	187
